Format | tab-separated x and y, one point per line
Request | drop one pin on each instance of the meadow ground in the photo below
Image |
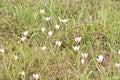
59	39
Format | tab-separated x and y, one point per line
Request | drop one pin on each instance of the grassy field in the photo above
32	47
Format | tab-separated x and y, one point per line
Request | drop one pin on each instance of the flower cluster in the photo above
24	38
59	43
84	57
50	33
77	40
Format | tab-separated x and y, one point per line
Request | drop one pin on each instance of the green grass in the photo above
96	21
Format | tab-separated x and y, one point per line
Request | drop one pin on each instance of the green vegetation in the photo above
97	22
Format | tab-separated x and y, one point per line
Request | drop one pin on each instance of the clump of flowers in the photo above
24	38
84	57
